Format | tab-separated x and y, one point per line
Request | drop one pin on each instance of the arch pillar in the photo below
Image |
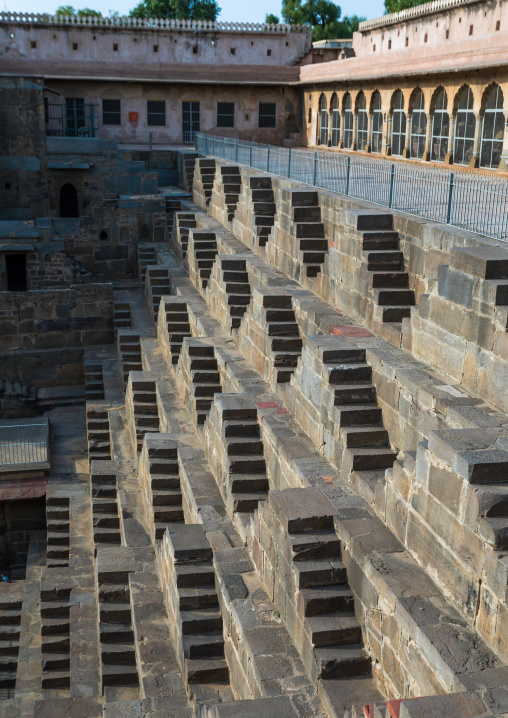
475	159
406	152
341	135
503	165
428	140
330	118
448	160
354	143
368	146
386	148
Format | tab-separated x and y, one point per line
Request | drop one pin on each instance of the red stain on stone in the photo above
267	405
394	707
347	331
328	479
332	244
22	489
282	411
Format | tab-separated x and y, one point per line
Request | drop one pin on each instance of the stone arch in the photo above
486	93
417	92
360	101
347	102
394	98
69	206
375	102
458	96
434	97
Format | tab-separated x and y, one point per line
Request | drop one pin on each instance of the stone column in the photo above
354	143
448	160
329	128
406	152
341	135
428	140
386	148
503	165
368	146
475	159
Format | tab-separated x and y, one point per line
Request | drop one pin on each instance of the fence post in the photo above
250	155
392	184
92	121
315	168
289	163
348	174
268	159
450	198
149	140
236	149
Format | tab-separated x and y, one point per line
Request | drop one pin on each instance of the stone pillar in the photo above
406	152
448	160
354	143
368	146
341	135
428	140
503	165
475	159
386	148
329	128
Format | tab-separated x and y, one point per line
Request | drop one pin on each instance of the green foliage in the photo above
69	10
323	16
272	19
177	9
397	5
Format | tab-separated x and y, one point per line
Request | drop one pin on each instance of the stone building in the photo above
253	443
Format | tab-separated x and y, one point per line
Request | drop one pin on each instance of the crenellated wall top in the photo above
149	23
427	8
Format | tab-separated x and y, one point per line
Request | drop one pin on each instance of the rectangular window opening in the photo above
194	49
225	114
74	45
389	44
156	113
498	25
407	41
115	47
232	51
267	114
15	265
268	52
471	29
33	44
156	48
111	112
425	38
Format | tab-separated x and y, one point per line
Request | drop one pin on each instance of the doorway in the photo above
15	265
68	201
190	120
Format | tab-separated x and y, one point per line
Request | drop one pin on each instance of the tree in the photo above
323	16
177	9
272	19
69	10
397	5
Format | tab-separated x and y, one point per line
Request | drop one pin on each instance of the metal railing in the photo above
470	202
158	139
23	441
73	119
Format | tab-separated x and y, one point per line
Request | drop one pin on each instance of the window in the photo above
156	113
269	52
194	49
74	116
389	44
498	25
492	130
377	124
470	29
111	112
440	128
418	127
373	48
190	119
465	125
398	124
156	48
309	118
115	46
33	44
425	37
15	267
362	123
232	51
348	122
447	34
267	114
407	41
225	114
74	45
323	121
335	135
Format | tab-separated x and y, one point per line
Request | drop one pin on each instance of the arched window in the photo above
493	129
377	124
465	124
362	136
334	105
440	128
348	122
398	124
323	121
68	201
418	127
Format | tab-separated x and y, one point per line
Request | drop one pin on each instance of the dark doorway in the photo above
190	120
15	264
68	201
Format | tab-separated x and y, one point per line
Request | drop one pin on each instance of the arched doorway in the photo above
68	201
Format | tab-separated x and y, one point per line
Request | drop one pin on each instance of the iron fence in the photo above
24	441
135	139
474	203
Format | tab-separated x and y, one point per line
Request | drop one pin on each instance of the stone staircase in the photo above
161	480
184	222
193	607
204	173
283	334
94	382
309	231
188	161
202	251
122	315
106	520
97	427
10	620
57	523
141	405
129	355
156	286
200	379
234	446
229	291
263	207
147	256
55	638
230	188
174	326
118	655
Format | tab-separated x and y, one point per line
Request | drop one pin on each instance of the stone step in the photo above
164	465
55	626
115	612
320	572
287	359
357	393
364	436
199	376
283	329
378	260
194	575
206	390
394	297
164	482
118	654
342	661
358	415
349	373
114	593
333	630
238	300
119	675
325	599
104	506
241	428
8	664
197	597
166	515
57	539
243	446
115	633
310	545
57	662
316	258
56	679
245	464
494	530
57	552
167	497
60	644
391	314
205	645
102	534
206	670
249	483
8	679
363	459
203	621
9	647
54	609
310	229
288	346
247	502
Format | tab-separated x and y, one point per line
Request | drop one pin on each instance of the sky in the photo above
232	10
